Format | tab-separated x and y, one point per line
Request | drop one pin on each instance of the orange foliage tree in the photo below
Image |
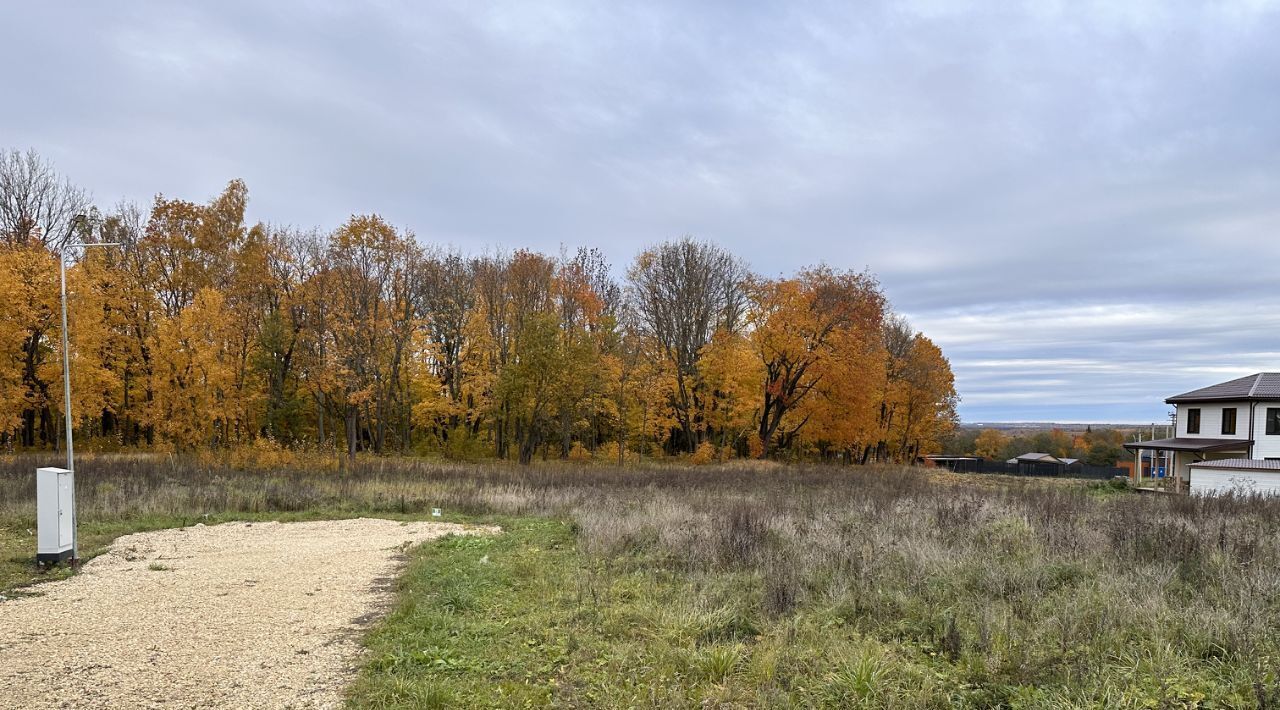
206	330
817	336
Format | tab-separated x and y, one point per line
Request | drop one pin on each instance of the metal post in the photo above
66	393
66	364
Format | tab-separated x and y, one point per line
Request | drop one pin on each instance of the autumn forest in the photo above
202	331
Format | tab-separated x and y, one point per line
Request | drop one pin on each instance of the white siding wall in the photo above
1210	481
1264	447
1183	461
1211	420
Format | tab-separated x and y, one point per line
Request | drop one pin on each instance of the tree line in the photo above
204	331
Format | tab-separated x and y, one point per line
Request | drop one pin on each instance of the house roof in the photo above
1037	457
1240	464
1262	385
1185	443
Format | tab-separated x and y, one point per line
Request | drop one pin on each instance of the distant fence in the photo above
1025	468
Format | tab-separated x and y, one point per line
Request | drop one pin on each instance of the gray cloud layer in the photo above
1077	201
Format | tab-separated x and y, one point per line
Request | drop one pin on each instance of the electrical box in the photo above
55	514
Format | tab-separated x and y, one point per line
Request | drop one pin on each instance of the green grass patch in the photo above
528	619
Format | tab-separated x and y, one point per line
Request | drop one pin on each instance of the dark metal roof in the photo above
1038	457
1263	385
1240	464
1185	443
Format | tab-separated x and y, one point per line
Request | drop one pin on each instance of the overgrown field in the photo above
767	586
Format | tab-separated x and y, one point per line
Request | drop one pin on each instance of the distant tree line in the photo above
1096	447
204	331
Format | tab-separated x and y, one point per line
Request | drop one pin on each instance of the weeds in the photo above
717	663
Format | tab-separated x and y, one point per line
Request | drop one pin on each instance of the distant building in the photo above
959	464
1226	437
1037	463
1131	464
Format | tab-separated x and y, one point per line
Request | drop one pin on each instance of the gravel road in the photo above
243	615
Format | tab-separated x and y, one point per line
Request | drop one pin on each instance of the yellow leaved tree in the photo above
733	377
816	335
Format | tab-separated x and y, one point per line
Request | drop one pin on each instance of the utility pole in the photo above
66	374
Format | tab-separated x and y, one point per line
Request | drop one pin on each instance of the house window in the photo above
1273	420
1193	421
1229	420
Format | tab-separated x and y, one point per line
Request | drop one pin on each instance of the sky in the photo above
1079	202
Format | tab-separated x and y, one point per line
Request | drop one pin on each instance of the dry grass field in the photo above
758	585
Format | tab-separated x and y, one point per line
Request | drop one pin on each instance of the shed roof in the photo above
1038	457
1240	464
1262	385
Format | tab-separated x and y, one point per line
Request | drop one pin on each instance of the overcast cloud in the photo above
1078	202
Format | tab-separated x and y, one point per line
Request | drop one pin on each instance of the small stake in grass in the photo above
435	512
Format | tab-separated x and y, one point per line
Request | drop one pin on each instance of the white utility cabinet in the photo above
55	514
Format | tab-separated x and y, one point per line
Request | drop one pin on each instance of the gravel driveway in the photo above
244	615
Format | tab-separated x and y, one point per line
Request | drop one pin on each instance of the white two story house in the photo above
1227	437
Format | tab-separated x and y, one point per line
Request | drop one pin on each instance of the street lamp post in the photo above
66	385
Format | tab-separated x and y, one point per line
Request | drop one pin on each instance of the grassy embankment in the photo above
776	587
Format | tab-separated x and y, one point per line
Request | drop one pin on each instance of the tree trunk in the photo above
320	438
528	446
684	414
566	442
352	422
